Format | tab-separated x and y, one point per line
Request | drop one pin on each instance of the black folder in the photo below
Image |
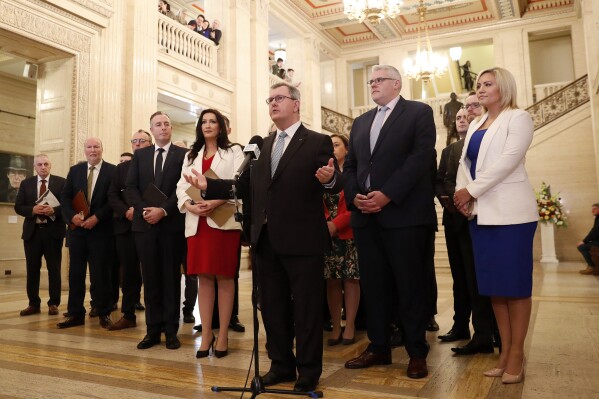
153	196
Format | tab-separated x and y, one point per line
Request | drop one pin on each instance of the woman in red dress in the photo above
212	233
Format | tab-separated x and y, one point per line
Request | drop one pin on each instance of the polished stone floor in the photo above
37	360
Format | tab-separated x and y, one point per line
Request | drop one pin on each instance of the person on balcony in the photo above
216	34
591	240
205	29
275	68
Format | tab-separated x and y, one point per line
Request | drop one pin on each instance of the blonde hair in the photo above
506	84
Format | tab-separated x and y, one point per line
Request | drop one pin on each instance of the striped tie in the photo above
277	153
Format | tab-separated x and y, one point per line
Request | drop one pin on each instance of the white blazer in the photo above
224	164
502	191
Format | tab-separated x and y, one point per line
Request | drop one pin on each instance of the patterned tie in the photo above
90	183
375	130
277	153
158	167
43	188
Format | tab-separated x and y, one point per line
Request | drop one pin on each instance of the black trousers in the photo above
130	273
190	294
95	249
160	252
458	254
399	259
281	277
42	243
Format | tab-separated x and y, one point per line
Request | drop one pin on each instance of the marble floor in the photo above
37	360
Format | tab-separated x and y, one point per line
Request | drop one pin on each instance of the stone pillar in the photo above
511	52
140	83
260	70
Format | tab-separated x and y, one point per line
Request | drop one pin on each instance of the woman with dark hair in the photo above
205	29
341	263
213	239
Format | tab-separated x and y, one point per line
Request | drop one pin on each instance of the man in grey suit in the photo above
389	187
43	233
158	230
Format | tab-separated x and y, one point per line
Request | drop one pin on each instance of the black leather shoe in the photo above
148	342
172	342
235	325
305	384
472	348
188	318
72	322
432	325
214	327
139	306
396	338
328	325
417	368
105	321
272	378
455	334
367	359
93	312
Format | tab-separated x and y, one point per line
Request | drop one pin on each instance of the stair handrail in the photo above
560	103
336	122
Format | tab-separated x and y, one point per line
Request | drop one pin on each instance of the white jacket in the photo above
224	164
502	191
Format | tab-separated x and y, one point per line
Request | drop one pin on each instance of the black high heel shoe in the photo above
220	354
200	353
336	341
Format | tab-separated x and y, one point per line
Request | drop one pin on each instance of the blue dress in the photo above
502	253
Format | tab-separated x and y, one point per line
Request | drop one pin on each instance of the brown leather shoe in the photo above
52	310
417	368
588	270
122	324
367	359
29	310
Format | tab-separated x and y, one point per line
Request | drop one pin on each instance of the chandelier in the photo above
373	10
426	64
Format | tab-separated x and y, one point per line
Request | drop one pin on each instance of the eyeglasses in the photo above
140	141
378	81
473	106
278	99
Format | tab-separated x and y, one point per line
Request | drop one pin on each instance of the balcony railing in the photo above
179	39
546	89
560	103
335	122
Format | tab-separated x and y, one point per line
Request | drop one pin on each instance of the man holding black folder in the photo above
84	202
158	229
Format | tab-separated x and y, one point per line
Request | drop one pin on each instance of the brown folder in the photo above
153	196
221	214
80	205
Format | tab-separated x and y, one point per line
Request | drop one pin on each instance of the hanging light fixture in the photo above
280	53
373	10
426	64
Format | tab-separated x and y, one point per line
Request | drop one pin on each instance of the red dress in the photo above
210	250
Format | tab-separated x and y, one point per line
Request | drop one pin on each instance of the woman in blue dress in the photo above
493	190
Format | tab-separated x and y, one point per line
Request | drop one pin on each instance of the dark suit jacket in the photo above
291	201
116	198
445	183
77	180
593	236
26	201
402	166
141	175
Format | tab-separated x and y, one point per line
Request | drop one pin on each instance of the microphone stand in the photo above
257	386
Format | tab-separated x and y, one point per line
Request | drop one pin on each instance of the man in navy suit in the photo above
91	239
389	177
290	235
125	244
158	229
43	233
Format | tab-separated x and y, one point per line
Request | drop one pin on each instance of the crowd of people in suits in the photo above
367	201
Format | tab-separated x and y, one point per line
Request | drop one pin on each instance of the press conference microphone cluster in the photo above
251	151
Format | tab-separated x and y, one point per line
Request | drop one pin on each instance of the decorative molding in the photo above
97	8
505	8
66	14
243	4
35	27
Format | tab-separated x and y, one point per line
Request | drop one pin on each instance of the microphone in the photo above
251	151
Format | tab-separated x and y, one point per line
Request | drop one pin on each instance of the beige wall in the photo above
17	135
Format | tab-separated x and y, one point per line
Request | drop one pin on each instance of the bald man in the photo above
90	240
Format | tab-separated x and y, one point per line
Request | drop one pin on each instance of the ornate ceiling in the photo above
441	15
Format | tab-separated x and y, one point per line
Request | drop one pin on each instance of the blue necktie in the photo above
277	153
375	130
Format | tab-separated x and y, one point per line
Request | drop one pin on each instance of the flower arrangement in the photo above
550	207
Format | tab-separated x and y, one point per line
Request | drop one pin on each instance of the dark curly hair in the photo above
222	140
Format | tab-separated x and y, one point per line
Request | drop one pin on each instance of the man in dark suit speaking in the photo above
158	230
91	239
389	177
43	233
290	235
